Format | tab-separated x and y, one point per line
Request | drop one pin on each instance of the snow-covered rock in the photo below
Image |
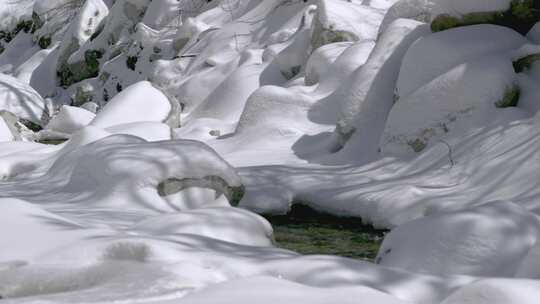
70	119
22	100
5	131
141	102
488	240
419	10
219	222
457	92
430	57
338	21
462	7
497	291
436	111
370	97
150	131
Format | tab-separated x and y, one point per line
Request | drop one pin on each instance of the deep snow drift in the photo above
176	122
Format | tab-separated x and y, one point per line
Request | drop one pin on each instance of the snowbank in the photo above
139	103
489	240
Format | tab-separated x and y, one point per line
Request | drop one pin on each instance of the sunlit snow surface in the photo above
395	125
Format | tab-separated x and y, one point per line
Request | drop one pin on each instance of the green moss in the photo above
73	73
307	231
82	96
97	32
30	125
521	16
525	63
44	42
444	22
106	95
37	22
52	141
510	98
24	25
131	62
417	145
237	193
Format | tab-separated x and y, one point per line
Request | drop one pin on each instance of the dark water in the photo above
307	231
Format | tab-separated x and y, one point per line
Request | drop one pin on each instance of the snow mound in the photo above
497	291
419	10
267	290
436	111
222	223
339	21
22	100
488	240
149	169
70	119
462	7
141	102
367	102
435	54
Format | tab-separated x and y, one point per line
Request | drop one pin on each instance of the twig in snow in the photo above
452	162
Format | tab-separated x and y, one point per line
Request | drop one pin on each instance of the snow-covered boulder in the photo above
419	10
370	96
70	119
291	55
5	131
155	171
162	13
534	34
321	60
141	102
488	240
452	104
442	95
12	12
429	57
150	131
87	22
497	291
22	100
520	15
462	7
338	21
223	223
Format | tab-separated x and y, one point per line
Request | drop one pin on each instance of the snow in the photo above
488	240
443	114
5	132
534	34
12	12
495	291
70	119
21	100
462	7
262	290
368	101
439	52
138	103
354	108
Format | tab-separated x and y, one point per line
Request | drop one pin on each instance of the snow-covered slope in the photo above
178	121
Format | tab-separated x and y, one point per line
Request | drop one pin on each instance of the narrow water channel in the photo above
307	231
